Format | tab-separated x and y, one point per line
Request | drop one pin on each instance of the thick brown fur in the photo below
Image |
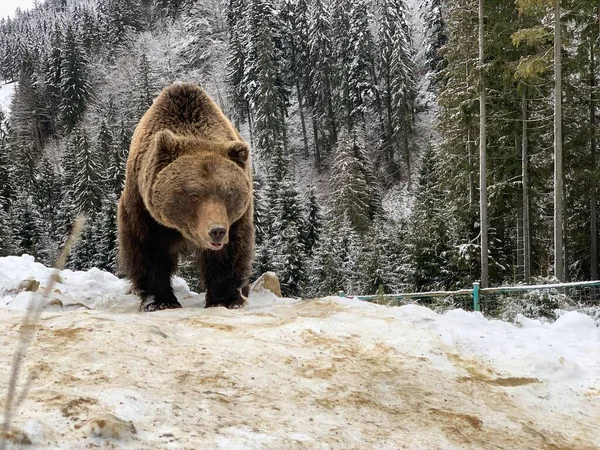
188	174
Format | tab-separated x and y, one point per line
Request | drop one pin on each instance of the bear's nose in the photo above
217	233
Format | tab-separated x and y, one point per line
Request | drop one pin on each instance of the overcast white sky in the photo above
7	7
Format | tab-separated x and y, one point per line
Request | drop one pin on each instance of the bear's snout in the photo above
217	233
213	225
218	236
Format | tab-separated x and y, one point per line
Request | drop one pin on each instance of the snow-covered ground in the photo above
6	94
330	373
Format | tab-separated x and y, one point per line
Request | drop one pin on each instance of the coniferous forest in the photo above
364	119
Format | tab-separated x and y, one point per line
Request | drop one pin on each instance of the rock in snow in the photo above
331	373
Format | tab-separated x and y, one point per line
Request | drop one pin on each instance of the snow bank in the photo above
330	373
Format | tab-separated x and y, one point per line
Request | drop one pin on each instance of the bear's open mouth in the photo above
216	245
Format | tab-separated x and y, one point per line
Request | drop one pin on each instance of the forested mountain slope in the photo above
362	182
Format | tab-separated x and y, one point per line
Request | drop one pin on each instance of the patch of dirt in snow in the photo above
311	374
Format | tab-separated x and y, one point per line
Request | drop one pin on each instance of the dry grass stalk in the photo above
27	333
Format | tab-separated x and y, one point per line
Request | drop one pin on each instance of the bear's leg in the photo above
154	280
148	263
226	272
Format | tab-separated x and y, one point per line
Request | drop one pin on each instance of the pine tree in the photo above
295	17
436	35
396	84
75	84
334	261
320	81
350	192
53	80
263	74
83	173
355	54
27	226
197	23
263	260
293	262
119	18
236	62
313	223
430	253
106	258
84	254
145	86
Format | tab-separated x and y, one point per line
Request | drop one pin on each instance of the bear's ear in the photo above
239	152
166	147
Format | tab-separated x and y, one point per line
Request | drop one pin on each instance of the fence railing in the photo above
478	293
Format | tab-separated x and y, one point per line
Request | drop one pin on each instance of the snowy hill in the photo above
329	373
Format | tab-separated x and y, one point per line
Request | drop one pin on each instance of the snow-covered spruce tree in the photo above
351	193
354	53
103	145
117	161
83	173
7	246
263	260
321	82
7	186
145	85
75	84
378	265
403	94
53	76
198	24
118	20
436	34
7	192
84	254
431	258
332	267
293	271
106	257
47	195
313	222
286	237
9	62
236	63
263	71
295	17
27	225
394	72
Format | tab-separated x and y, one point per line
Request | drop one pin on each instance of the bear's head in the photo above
199	187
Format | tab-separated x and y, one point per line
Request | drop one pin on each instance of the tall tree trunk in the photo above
317	144
558	163
302	120
594	179
482	159
249	115
525	181
284	131
408	166
519	271
299	94
472	193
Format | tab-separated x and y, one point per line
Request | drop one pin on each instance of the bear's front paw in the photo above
152	303
231	302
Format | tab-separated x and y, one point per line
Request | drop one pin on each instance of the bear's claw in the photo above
150	304
235	302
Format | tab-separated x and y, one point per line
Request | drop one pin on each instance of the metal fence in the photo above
544	300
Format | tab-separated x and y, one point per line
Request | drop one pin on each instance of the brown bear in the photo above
188	187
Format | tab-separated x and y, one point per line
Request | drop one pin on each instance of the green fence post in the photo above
476	304
341	294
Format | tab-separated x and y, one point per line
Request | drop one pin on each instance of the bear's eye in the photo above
194	197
